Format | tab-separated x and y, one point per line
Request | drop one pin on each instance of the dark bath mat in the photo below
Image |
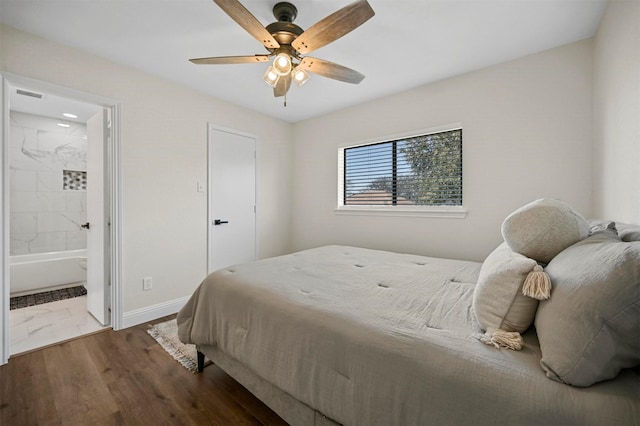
46	297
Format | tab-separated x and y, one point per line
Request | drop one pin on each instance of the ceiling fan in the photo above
287	42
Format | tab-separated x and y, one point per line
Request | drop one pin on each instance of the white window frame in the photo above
450	212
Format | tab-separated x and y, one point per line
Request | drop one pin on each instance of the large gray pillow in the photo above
628	232
498	302
590	327
543	228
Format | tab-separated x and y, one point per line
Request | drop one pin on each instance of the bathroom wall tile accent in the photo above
74	180
45	217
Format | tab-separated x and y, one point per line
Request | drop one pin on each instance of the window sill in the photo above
435	212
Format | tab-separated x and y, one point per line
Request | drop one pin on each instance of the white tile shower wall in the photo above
44	216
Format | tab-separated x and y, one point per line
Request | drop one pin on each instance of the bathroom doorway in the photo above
59	234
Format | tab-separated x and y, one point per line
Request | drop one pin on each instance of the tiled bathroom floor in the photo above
41	325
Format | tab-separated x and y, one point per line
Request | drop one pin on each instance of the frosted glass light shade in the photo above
300	77
271	77
282	64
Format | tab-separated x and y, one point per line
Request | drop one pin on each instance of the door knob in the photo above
219	221
85	226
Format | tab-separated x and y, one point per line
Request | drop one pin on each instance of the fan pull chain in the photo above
285	100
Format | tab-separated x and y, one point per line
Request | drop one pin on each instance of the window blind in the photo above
422	170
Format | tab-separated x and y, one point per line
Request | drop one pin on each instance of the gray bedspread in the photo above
370	337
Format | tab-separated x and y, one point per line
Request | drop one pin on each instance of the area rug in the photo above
166	334
19	302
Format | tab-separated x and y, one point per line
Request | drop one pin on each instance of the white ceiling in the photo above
407	43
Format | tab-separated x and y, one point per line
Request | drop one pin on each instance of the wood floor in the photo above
121	378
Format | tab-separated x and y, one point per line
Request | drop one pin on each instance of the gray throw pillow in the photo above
597	226
590	327
543	228
498	301
628	232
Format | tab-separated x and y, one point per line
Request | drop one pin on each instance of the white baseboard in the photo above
150	313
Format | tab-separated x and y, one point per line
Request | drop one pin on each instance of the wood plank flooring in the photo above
121	378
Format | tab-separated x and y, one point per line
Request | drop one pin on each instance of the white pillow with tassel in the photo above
506	296
543	228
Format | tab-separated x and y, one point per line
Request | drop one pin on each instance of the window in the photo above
418	171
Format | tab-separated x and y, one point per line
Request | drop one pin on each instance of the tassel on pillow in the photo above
503	339
537	284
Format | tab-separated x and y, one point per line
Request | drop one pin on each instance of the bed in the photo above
353	336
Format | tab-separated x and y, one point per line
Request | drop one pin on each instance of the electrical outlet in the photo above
146	283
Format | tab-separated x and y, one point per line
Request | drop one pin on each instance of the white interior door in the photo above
232	198
97	218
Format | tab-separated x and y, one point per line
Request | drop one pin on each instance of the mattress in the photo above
380	338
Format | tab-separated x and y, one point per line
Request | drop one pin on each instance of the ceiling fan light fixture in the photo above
271	77
300	76
287	41
282	64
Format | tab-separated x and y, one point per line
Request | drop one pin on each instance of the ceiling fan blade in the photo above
282	87
331	70
246	20
333	27
230	60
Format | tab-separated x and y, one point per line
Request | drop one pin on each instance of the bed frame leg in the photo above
200	362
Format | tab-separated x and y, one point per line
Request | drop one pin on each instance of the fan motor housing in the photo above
284	32
285	12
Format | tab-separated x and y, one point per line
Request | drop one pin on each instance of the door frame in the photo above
113	175
210	217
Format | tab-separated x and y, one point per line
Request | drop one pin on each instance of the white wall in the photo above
526	135
164	135
617	113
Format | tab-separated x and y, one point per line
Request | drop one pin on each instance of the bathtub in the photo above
34	273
